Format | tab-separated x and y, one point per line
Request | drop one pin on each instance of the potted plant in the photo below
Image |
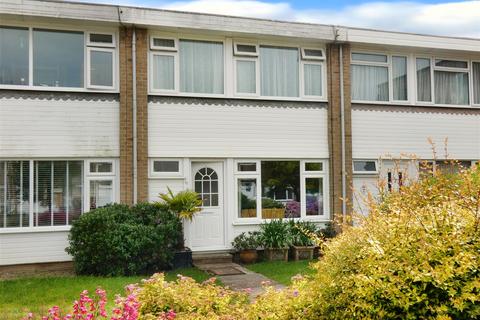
276	240
272	209
303	243
246	244
185	204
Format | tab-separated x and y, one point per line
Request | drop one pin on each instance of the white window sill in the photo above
417	104
34	229
253	222
56	89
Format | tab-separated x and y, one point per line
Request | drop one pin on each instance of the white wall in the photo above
377	131
58	128
217	130
33	247
157	186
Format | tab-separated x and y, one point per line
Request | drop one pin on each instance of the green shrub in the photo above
300	232
268	203
275	234
122	240
247	241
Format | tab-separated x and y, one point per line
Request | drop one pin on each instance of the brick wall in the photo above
334	128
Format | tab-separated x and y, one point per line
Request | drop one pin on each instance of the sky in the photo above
449	18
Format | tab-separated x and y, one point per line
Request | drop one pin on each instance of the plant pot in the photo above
273	213
276	254
182	259
303	253
248	256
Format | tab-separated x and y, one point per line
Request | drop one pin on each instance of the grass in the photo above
20	296
282	271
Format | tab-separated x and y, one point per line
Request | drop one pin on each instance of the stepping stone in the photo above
225	271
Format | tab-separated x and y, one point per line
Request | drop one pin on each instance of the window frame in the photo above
389	66
111	173
86	187
322	64
175	48
246	54
63	28
472	95
304	56
238	175
88	71
257	75
112	44
176	72
163	175
377	171
433	67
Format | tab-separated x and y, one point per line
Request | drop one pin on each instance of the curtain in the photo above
369	83
476	82
312	74
279	71
163	72
201	66
246	76
399	70
424	80
451	88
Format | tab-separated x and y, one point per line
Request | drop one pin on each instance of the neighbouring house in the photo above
264	119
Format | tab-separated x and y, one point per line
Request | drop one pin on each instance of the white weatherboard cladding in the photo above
157	186
33	247
203	130
379	131
58	128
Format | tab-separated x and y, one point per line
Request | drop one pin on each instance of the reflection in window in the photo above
14	56
58	58
206	185
100	167
314	196
280	189
14	193
166	166
101	193
247	198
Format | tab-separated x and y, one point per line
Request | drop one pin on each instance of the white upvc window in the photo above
447	81
166	168
245	49
164	43
365	166
275	189
246	76
57	59
379	77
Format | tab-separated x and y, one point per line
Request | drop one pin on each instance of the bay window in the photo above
47	193
47	58
277	189
371	75
445	82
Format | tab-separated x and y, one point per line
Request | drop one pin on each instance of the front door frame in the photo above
190	185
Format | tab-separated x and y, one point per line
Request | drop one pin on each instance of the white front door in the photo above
207	232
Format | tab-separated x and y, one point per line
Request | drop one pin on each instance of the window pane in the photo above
280	189
201	66
101	38
369	57
58	58
101	193
58	192
247	166
247	198
246	48
100	167
312	74
451	87
399	70
451	63
314	196
364	166
424	80
13	56
476	82
101	68
279	71
246	77
163	72
313	166
14	193
166	166
369	83
166	43
206	185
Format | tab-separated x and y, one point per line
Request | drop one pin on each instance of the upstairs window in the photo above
279	71
100	60
476	82
443	81
14	48
371	76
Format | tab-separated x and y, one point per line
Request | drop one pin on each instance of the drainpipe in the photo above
134	116
342	118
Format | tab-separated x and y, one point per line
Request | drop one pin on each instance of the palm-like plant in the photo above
185	203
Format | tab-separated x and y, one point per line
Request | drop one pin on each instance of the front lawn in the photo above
282	271
20	296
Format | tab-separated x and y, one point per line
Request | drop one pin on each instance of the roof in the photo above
160	18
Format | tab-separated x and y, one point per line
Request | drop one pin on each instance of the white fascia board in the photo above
377	37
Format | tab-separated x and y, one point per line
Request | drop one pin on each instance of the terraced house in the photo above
264	119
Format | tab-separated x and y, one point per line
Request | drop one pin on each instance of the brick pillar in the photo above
334	128
142	114
126	128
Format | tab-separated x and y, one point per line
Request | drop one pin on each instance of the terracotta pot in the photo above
248	256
